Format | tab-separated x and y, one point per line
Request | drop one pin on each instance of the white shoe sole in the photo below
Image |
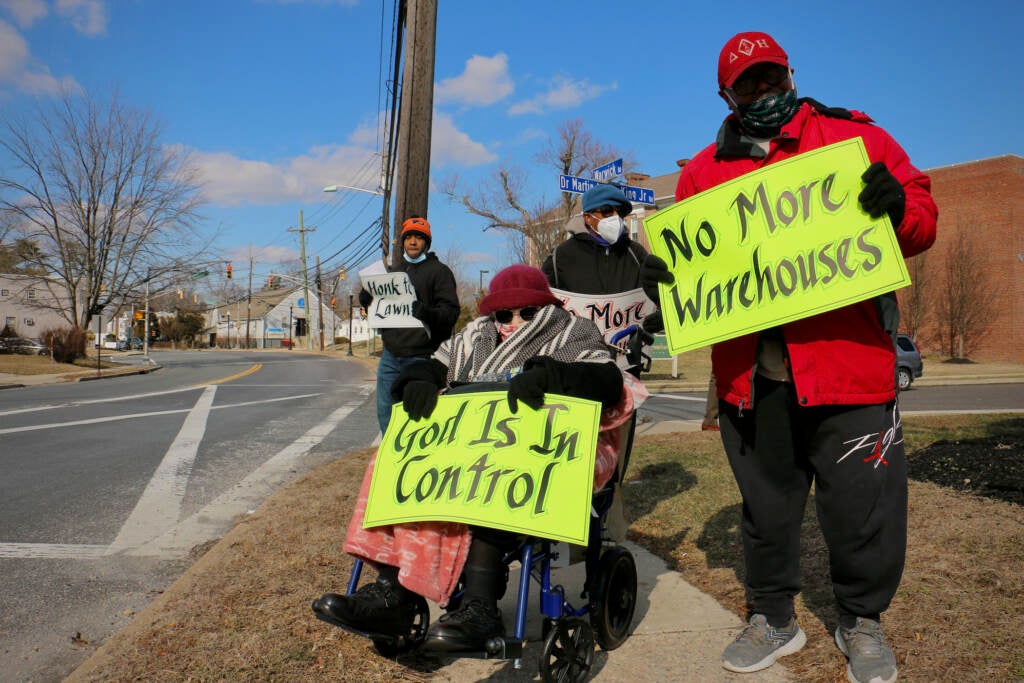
794	644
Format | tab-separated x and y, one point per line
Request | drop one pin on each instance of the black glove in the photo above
652	271
653	324
420	311
539	376
882	193
365	298
419	398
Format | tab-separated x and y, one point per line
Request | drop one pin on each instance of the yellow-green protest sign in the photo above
474	461
782	243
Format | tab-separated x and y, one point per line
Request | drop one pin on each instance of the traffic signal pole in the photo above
248	301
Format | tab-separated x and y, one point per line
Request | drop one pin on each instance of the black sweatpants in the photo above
855	457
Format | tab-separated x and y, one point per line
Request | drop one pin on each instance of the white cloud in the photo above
89	17
18	68
25	12
267	254
230	180
563	94
484	81
449	145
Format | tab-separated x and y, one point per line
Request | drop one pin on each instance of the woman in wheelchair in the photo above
528	340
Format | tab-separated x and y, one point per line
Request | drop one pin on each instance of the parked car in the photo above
135	344
28	347
909	365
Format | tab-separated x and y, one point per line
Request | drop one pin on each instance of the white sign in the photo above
393	295
611	313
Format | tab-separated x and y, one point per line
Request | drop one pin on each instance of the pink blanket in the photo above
430	555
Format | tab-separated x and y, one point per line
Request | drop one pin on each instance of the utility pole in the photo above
302	230
320	301
415	116
248	301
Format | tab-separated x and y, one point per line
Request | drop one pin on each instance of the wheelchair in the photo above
602	615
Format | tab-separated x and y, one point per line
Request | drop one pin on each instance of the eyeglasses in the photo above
505	315
772	74
604	211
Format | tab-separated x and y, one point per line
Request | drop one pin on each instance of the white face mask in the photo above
610	229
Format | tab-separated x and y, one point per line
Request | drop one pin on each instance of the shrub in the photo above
67	343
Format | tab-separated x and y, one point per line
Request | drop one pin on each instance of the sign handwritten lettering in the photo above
610	312
393	295
776	245
474	461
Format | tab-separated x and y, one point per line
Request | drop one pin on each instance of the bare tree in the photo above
107	203
915	305
537	223
966	306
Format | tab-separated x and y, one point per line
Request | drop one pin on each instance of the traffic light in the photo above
341	274
229	271
181	294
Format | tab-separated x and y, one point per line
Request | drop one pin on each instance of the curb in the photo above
117	373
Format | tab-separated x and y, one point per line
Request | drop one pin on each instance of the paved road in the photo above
107	486
961	398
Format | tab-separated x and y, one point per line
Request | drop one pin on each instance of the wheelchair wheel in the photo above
614	599
391	646
568	652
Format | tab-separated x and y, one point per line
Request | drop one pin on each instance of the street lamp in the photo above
334	188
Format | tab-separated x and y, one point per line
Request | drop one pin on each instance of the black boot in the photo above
478	619
466	629
382	607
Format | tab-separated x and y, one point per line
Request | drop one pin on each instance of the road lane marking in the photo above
232	378
51	551
212	521
159	507
75	404
131	416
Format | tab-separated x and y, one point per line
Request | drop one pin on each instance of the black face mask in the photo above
764	117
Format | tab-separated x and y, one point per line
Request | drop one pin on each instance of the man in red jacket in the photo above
813	400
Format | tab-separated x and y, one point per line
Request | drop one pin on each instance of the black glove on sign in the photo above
882	193
539	376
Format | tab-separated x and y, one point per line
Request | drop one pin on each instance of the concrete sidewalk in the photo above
678	634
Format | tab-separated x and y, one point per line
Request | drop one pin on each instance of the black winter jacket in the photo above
581	265
435	288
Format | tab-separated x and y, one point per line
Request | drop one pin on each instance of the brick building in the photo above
985	200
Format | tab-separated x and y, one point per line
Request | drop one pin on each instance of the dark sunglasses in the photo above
604	211
772	74
504	316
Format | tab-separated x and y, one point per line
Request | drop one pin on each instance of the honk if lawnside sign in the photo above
776	245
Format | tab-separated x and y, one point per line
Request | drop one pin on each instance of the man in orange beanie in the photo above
437	305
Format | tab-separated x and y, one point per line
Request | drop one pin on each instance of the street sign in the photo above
200	274
571	183
639	195
608	171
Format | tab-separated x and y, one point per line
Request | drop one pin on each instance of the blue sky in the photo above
276	99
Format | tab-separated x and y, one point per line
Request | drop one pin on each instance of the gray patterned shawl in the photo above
474	353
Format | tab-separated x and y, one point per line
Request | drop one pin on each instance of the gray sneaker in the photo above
760	644
871	658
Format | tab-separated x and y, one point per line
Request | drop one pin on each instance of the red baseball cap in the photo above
744	50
